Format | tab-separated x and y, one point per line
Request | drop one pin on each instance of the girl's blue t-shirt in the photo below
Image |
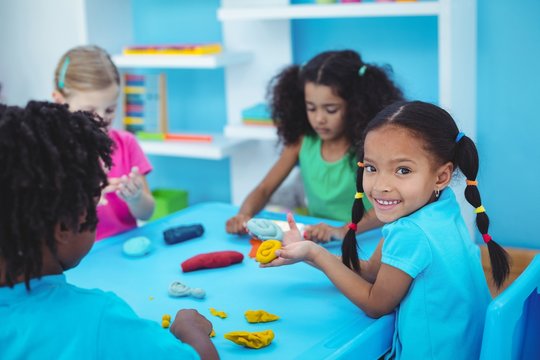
442	315
56	320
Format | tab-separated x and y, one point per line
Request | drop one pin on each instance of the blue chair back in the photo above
512	329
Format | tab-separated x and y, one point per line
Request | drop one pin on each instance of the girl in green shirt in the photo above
320	110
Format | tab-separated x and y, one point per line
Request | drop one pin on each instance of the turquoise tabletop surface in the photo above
316	320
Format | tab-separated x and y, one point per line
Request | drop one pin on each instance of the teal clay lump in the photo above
137	246
264	229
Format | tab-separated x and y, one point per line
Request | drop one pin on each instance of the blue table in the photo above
316	320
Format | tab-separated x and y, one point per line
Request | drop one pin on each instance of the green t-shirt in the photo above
329	186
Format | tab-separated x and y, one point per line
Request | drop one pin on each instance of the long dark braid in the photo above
444	141
52	173
467	161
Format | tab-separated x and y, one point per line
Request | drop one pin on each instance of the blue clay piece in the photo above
137	246
264	229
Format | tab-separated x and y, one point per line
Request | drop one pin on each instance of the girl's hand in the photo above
131	186
293	253
111	187
237	224
293	235
323	233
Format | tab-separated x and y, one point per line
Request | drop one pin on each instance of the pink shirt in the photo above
115	217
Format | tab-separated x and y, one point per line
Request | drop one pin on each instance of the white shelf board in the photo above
219	148
181	61
251	132
309	11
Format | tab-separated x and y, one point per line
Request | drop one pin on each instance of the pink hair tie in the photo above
352	226
487	238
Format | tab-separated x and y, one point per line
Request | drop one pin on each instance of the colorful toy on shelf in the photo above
174	49
160	136
212	260
258	114
145	102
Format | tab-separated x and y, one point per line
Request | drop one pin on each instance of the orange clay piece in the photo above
267	251
259	316
254	340
255	243
217	313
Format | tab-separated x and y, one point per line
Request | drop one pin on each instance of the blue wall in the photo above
508	54
508	120
196	98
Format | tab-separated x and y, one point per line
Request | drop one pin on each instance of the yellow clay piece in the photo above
267	251
165	324
259	316
212	333
166	317
217	313
254	340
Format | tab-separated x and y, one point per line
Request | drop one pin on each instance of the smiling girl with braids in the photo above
426	267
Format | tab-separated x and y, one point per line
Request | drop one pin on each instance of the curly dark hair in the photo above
366	92
52	173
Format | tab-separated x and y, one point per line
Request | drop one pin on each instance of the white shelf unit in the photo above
251	132
263	29
219	148
181	61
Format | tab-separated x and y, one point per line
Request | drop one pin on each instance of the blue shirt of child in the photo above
442	315
56	320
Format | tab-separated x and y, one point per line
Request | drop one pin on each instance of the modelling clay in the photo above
267	251
137	246
165	321
218	313
255	243
254	340
212	260
182	233
264	229
177	289
259	316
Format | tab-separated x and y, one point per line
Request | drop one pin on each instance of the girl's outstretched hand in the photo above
295	248
293	235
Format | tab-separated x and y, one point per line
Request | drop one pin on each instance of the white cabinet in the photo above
263	28
220	147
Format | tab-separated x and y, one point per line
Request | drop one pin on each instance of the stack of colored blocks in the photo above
134	92
258	114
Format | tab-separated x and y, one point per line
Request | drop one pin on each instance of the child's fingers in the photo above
292	223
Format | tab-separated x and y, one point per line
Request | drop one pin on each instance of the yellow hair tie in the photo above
480	209
360	164
472	182
359	195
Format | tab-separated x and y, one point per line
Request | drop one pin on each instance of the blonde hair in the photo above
85	68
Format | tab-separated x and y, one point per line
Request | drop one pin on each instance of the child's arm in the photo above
258	198
134	190
389	287
323	233
194	329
